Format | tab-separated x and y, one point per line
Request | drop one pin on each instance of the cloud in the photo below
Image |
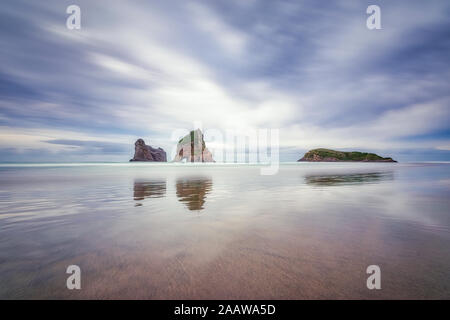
227	38
144	69
93	146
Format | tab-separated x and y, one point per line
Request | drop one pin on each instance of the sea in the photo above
225	231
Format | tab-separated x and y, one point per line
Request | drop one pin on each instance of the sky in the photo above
157	69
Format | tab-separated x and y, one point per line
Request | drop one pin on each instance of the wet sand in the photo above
227	233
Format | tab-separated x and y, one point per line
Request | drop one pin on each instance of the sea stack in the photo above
143	152
327	155
192	147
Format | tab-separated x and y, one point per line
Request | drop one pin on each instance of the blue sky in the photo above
147	69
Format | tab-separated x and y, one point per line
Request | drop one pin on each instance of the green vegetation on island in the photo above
318	155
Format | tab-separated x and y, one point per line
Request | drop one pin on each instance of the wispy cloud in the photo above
145	69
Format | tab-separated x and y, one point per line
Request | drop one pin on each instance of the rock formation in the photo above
143	152
324	155
193	148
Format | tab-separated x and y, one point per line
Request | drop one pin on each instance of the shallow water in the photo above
171	231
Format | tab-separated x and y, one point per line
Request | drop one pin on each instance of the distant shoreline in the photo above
193	164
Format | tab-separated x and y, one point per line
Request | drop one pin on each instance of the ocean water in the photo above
184	231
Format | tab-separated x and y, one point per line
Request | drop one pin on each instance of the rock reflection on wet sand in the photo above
149	189
348	179
192	192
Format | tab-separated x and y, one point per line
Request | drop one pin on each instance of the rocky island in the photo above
143	152
327	155
192	148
